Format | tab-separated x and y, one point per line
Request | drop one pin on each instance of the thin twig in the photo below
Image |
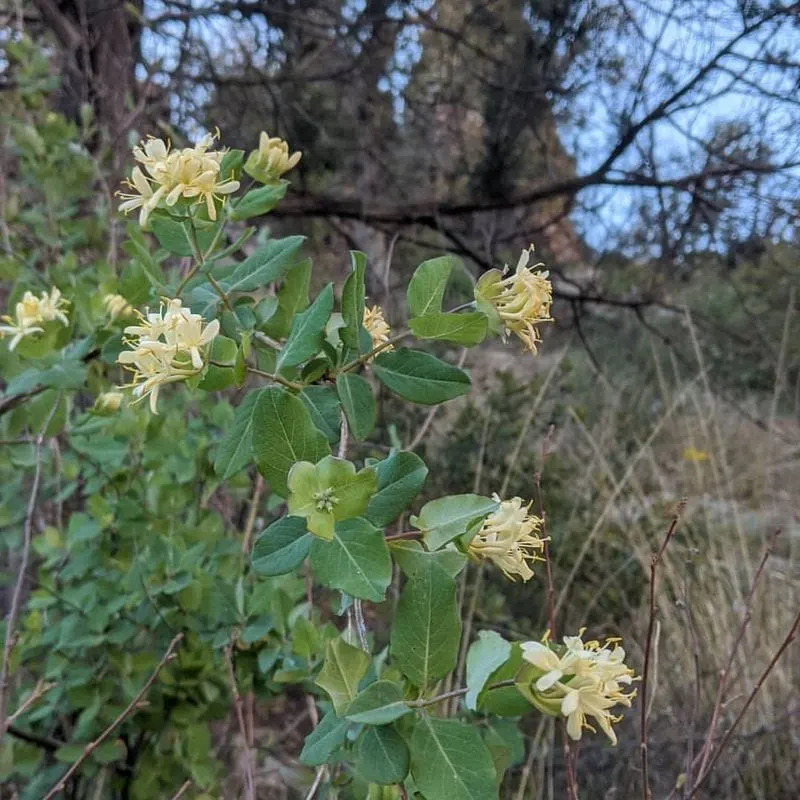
39	690
654	562
252	513
726	673
129	709
728	735
317	781
249	770
16	597
180	793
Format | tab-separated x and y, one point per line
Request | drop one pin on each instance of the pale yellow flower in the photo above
581	680
168	345
519	302
168	175
31	313
509	538
377	327
117	306
109	402
271	160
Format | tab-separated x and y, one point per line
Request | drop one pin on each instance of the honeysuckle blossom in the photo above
167	346
108	403
377	327
580	680
271	160
509	538
519	302
167	175
117	306
32	313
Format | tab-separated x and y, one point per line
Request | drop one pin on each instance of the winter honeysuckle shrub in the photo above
154	551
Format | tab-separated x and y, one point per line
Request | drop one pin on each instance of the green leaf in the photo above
449	761
342	671
353	300
258	201
292	298
420	377
328	492
67	374
70	753
235	451
400	477
411	557
507	700
305	337
356	561
484	656
171	235
324	740
427	627
505	744
468	328
284	434
379	704
445	518
383	756
231	164
358	403
222	373
427	285
267	264
281	547
323	404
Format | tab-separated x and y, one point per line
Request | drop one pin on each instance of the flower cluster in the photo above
31	313
271	160
168	346
579	680
377	327
519	302
168	175
509	538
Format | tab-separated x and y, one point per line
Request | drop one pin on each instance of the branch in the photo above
129	709
249	767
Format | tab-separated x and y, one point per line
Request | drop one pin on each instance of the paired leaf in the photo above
449	761
284	434
305	337
427	285
235	451
420	377
400	477
356	561
292	298
341	673
281	547
353	300
323	404
358	403
321	743
484	656
427	626
379	704
445	518
267	264
411	557
383	756
468	328
259	201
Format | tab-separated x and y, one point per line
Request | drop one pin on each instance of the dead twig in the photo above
249	768
654	562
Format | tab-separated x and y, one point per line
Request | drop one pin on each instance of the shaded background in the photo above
651	152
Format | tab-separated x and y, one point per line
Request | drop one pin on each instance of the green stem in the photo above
220	291
351	365
430	701
276	378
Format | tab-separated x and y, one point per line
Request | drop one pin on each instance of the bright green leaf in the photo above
358	403
292	298
281	547
449	761
356	561
484	656
382	756
427	285
420	377
342	671
400	477
267	264
305	337
467	328
284	434
353	300
379	704
258	201
445	518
